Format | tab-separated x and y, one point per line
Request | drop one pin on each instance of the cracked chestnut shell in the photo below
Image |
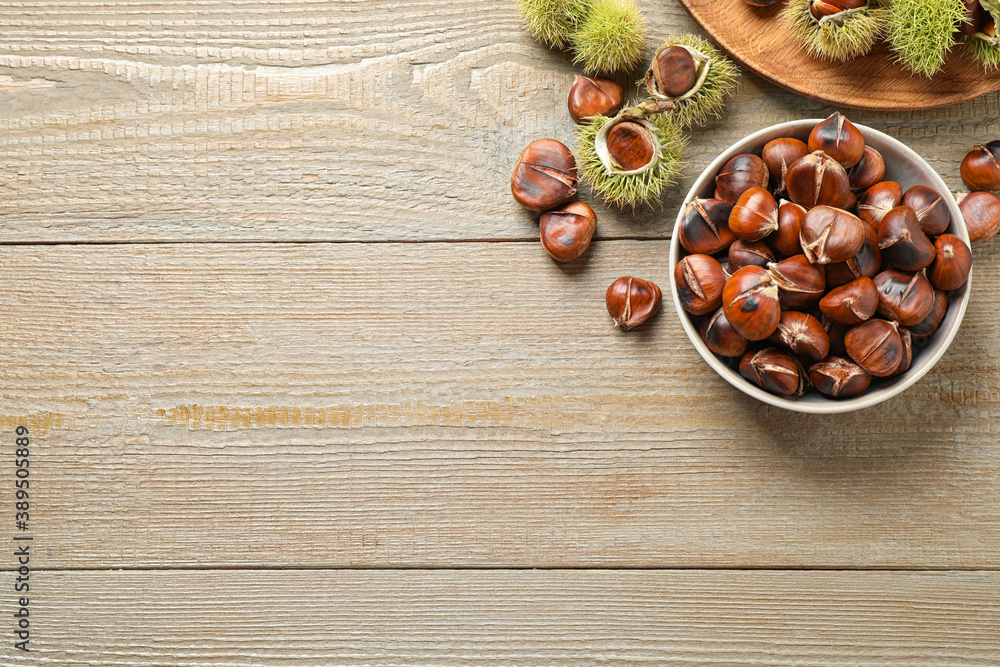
755	215
800	282
566	231
778	155
878	200
866	263
868	171
927	326
930	207
746	253
802	334
699	280
981	167
632	301
839	377
836	136
705	226
544	176
785	239
876	346
902	240
904	297
592	96
981	212
774	371
830	235
852	303
907	360
818	180
952	263
742	172
720	336
750	301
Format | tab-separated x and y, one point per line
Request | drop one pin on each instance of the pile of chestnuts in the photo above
806	268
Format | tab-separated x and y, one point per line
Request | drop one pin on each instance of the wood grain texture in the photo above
757	38
320	618
305	121
454	404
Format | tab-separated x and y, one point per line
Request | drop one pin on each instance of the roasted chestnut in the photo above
632	301
831	235
907	360
750	300
876	346
866	263
745	253
952	263
802	334
741	173
774	371
817	179
755	215
778	155
592	96
545	175
720	336
927	326
839	377
904	297
852	303
837	137
800	282
700	281
785	239
903	242
868	171
981	167
878	200
566	231
704	228
930	207
981	211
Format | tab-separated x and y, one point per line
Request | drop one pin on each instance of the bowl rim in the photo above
827	405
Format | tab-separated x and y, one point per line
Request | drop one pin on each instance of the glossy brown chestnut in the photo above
852	202
545	175
830	235
631	145
878	200
868	171
952	264
566	231
817	180
930	207
866	263
705	226
800	282
927	326
592	96
699	280
720	336
907	360
785	239
852	303
903	242
673	71
974	18
802	334
755	215
778	155
746	253
981	212
981	167
750	300
836	136
876	346
632	301
774	371
904	297
839	377
741	173
821	8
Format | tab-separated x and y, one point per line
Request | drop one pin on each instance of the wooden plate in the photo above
756	37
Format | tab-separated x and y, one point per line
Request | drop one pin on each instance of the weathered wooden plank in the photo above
293	120
322	617
454	404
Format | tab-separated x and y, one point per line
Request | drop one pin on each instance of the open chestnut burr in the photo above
876	349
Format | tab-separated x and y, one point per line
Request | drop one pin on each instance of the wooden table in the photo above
303	388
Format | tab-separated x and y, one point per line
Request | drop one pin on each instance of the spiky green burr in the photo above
922	31
610	38
842	36
553	21
715	80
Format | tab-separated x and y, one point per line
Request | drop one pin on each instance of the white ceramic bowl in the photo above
902	165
